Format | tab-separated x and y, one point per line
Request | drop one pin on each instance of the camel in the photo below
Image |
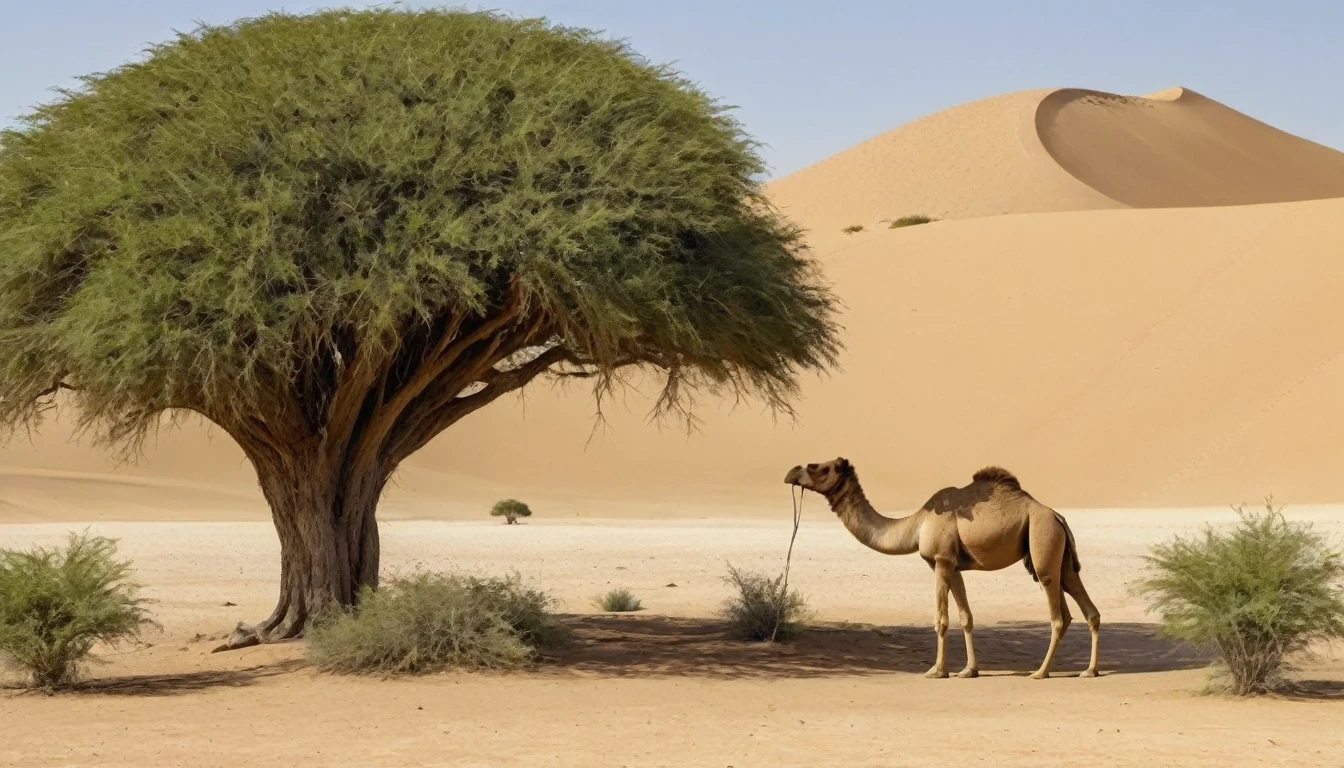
985	526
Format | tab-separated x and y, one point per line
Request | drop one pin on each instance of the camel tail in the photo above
1070	550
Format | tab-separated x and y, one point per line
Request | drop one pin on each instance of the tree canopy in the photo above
336	234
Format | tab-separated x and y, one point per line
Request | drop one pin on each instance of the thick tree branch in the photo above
451	409
446	354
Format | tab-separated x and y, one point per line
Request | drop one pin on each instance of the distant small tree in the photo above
336	235
510	510
1257	592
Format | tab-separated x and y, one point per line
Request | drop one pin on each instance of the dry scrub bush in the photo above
852	228
1257	592
56	603
910	221
763	608
619	600
510	510
431	621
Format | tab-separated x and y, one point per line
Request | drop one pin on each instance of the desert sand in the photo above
1131	302
663	687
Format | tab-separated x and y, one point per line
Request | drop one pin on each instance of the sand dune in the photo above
1062	150
1111	358
1110	352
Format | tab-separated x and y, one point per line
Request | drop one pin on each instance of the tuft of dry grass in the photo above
910	221
619	600
852	228
763	607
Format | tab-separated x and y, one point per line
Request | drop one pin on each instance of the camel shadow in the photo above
660	646
178	684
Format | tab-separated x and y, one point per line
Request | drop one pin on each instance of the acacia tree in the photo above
510	510
335	235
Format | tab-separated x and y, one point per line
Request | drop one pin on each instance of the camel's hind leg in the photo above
1073	584
1047	542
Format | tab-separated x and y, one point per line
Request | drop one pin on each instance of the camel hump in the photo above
997	475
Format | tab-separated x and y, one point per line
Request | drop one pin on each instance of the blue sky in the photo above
811	78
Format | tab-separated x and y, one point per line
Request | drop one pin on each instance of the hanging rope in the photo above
797	499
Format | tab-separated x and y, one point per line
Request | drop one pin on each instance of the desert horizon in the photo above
1128	301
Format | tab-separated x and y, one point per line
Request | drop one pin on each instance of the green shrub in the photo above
1257	593
617	601
852	228
56	603
431	621
763	608
910	221
510	510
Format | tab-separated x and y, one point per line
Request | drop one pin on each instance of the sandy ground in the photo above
664	687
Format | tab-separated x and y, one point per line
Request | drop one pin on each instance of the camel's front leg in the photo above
941	585
967	623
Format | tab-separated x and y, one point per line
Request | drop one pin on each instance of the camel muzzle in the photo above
795	476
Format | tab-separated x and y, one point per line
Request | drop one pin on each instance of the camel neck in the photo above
888	535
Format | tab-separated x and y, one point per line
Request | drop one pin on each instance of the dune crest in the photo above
1177	148
981	158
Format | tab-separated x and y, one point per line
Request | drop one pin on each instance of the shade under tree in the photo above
335	235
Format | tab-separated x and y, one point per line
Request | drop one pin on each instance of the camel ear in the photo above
844	465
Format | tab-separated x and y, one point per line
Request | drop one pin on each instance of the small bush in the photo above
55	604
762	609
510	510
852	228
617	601
910	221
432	621
1257	592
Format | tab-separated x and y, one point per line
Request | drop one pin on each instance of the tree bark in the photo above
328	532
327	445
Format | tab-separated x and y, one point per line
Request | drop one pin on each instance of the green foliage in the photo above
510	510
263	207
852	229
56	603
1257	592
910	221
762	609
432	621
619	600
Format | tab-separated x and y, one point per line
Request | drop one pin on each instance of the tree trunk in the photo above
328	540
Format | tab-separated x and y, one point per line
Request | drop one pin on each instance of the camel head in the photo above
821	478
